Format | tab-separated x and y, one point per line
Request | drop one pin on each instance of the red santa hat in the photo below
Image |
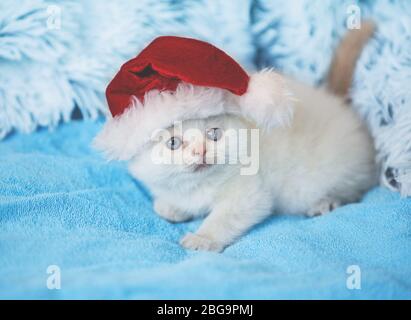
175	79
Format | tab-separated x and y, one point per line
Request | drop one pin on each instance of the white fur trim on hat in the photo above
124	135
267	101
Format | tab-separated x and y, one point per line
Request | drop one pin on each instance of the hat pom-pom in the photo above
267	101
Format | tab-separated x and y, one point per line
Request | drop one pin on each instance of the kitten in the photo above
324	159
320	156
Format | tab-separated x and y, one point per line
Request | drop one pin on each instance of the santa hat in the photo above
175	79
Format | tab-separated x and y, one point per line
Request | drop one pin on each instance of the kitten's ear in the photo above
267	101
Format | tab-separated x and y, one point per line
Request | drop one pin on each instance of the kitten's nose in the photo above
198	150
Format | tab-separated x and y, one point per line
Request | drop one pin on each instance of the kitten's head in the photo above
192	148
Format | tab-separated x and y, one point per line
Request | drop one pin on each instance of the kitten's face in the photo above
193	147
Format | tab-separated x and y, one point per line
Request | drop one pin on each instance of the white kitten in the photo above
318	155
325	158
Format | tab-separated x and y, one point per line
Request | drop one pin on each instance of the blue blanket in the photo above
62	204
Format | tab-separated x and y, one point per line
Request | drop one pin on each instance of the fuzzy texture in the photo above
381	91
61	204
288	36
340	74
267	101
65	70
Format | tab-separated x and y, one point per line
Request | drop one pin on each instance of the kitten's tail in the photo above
345	58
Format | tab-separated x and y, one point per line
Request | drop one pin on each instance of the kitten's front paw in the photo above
170	213
195	242
323	207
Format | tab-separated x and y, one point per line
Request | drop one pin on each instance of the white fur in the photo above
267	101
324	158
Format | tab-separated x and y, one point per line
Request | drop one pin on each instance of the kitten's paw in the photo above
195	242
170	213
323	207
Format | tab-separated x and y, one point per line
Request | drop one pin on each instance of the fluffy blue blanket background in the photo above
60	203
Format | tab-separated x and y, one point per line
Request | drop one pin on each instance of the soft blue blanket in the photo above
61	204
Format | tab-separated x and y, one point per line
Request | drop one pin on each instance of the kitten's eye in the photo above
214	134
173	143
